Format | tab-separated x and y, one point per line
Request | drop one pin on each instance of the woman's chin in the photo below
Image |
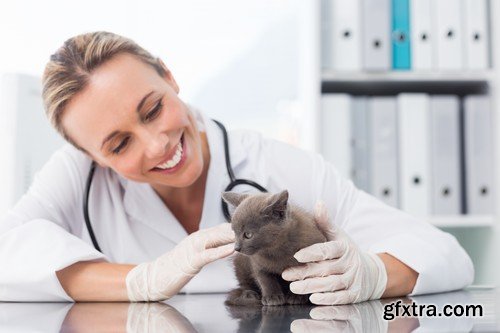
184	178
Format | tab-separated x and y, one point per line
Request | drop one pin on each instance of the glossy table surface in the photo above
207	313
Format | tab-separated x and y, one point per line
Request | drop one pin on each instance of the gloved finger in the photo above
318	284
333	298
321	251
313	326
315	269
321	215
219	235
321	219
330	230
209	255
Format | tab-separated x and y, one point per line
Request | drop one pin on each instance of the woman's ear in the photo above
169	77
233	198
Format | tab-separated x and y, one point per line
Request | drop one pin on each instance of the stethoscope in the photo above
232	184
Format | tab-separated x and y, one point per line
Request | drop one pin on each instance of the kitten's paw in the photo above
297	299
250	295
243	297
274	300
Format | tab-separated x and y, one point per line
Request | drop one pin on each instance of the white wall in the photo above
230	58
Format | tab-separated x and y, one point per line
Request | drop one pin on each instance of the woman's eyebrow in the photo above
138	110
143	100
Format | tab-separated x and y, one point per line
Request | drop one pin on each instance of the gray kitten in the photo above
269	231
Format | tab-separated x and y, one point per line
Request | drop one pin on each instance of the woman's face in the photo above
131	119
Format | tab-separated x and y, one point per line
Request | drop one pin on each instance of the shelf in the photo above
407	76
393	83
462	221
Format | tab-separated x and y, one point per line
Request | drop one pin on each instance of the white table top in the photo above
207	313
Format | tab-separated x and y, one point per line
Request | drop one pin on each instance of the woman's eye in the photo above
153	113
122	145
248	235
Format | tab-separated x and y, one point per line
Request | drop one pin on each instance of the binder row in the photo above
425	154
417	35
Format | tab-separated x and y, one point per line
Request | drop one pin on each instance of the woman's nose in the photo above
156	145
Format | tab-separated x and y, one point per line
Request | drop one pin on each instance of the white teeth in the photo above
174	160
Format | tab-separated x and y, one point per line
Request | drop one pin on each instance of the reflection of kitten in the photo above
276	318
269	232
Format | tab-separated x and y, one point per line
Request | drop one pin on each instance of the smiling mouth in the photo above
174	160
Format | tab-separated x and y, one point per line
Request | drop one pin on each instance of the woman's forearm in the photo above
89	281
401	278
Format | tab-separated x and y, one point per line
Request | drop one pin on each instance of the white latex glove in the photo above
337	271
163	278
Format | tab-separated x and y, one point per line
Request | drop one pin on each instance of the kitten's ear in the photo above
278	204
233	198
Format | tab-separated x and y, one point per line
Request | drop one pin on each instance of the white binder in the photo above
476	34
336	131
376	33
479	167
449	34
383	161
414	164
360	143
422	34
345	35
445	155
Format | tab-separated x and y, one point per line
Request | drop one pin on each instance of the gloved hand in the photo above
164	277
337	271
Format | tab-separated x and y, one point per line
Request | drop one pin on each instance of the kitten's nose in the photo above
237	247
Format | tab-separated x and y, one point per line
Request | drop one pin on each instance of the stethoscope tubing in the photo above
233	180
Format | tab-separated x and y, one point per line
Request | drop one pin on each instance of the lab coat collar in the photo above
144	205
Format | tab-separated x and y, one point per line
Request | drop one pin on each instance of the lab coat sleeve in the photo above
440	261
36	237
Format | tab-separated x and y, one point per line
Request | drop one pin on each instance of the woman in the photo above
155	199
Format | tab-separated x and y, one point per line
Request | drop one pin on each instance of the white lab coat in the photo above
46	232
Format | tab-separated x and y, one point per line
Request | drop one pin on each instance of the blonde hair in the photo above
69	69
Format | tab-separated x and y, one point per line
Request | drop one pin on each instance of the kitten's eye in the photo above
248	235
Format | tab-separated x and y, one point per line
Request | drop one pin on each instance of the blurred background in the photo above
310	73
229	57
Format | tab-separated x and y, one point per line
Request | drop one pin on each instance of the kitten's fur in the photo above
269	231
